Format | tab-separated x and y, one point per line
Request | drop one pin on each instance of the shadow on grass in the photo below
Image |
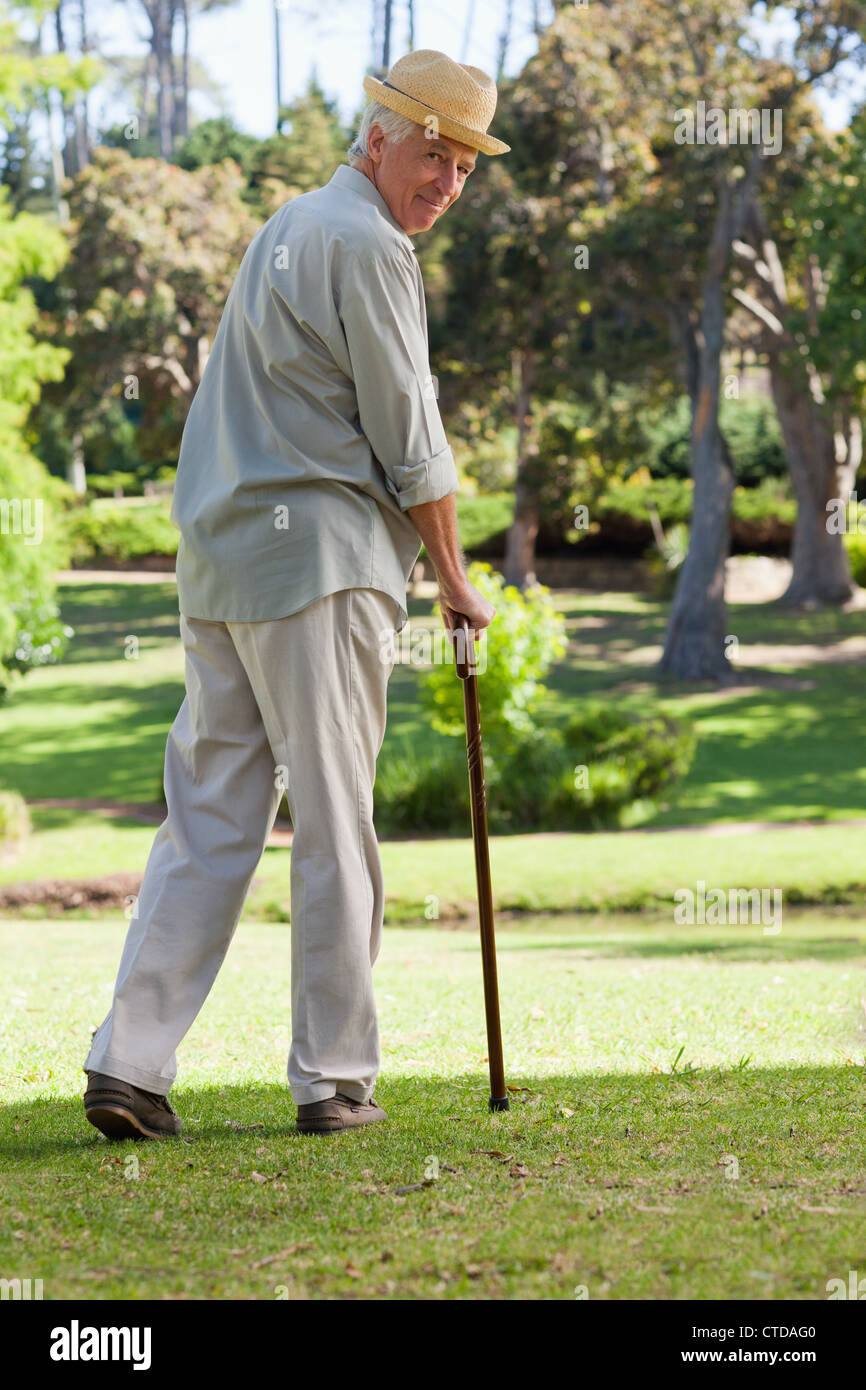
425	1109
120	758
772	950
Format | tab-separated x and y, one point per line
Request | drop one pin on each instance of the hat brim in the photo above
417	111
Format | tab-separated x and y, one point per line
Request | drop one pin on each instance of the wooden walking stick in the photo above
466	670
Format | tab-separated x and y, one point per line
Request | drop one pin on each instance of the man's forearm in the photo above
436	524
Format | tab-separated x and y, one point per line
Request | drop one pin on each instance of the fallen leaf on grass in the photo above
353	1272
414	1186
518	1170
564	1110
280	1255
520	1088
494	1153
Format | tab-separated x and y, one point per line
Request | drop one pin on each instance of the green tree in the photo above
803	282
30	631
154	251
517	328
30	250
303	156
212	141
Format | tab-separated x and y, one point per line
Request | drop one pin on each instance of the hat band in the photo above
435	110
411	98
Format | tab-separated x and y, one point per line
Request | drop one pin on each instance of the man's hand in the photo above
462	597
436	523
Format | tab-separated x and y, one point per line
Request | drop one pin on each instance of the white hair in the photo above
397	127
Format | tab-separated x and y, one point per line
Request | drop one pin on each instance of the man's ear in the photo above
375	142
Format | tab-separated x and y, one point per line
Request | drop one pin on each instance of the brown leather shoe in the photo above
338	1113
123	1111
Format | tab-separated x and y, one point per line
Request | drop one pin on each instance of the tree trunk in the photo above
695	647
823	453
821	573
148	77
76	475
181	122
697	627
68	152
81	115
695	639
520	543
164	15
504	40
47	102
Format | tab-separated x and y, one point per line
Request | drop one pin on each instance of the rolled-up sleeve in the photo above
382	311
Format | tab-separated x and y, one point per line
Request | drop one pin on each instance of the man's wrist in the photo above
450	578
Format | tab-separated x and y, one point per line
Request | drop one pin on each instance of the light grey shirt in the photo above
315	424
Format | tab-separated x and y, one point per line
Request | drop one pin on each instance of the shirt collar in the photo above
346	176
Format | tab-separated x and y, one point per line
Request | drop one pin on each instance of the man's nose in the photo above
446	183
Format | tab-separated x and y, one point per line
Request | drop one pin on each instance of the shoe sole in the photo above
325	1128
116	1122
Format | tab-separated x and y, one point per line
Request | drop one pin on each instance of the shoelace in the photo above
160	1101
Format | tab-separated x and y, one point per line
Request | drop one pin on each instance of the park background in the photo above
650	359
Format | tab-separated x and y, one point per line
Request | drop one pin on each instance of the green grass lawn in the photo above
616	872
691	1125
95	725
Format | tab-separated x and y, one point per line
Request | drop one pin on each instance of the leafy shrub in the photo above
604	768
525	638
30	629
629	760
14	824
855	544
750	426
31	546
424	794
104	484
120	532
771	500
483	517
671	497
42	636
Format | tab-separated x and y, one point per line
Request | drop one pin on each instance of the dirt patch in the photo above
70	894
848	651
148	812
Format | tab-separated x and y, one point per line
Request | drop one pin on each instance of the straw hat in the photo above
428	83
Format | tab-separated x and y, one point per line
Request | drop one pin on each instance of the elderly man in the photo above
312	466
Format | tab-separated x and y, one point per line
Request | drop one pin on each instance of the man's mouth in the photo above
437	206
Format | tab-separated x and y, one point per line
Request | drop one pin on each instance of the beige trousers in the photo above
299	701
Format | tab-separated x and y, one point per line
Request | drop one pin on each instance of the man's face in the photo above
419	178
